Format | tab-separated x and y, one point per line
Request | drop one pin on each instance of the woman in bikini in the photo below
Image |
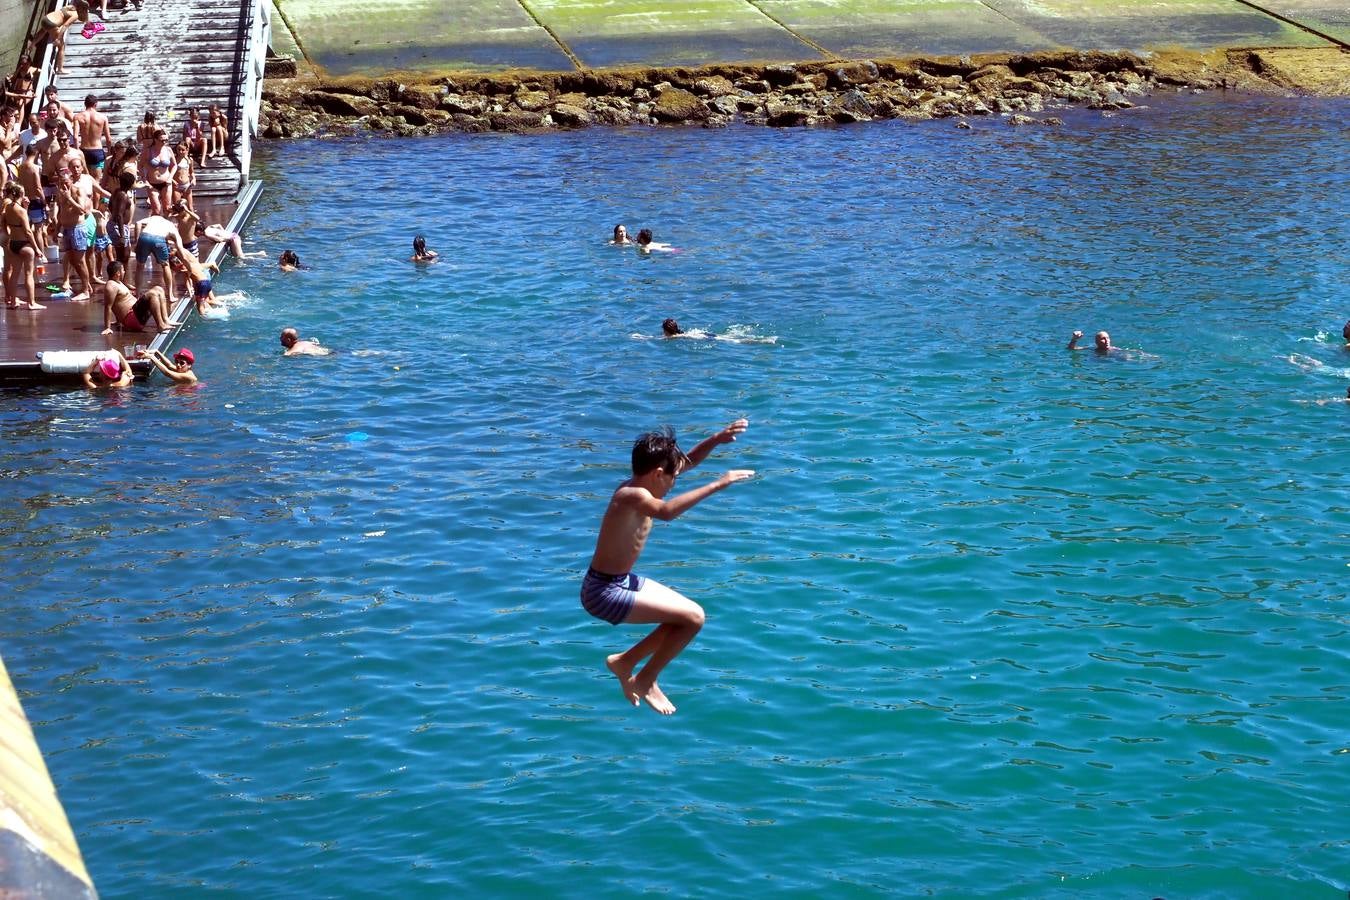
20	246
146	130
157	167
184	176
54	27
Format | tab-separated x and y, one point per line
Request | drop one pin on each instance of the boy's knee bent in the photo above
695	616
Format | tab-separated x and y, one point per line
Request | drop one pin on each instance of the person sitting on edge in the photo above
180	370
294	345
621	235
289	261
120	305
420	251
1101	339
108	370
613	593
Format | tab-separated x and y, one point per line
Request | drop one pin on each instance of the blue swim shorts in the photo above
148	244
610	597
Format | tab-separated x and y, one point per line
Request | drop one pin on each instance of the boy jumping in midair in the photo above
613	593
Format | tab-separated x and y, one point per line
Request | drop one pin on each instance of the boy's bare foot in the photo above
32	305
657	700
625	676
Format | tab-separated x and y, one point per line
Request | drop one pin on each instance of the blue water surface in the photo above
993	618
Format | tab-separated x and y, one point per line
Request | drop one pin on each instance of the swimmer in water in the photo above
645	243
1101	339
294	345
671	328
421	253
612	593
1345	333
180	370
289	261
621	235
108	370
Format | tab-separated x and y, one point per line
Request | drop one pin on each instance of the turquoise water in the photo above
993	619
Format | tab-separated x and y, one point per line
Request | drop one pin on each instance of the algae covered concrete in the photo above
357	37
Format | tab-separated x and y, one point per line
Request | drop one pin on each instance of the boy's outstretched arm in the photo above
665	510
725	436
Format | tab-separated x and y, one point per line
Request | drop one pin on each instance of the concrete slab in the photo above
668	32
283	42
1150	24
856	29
1323	15
359	37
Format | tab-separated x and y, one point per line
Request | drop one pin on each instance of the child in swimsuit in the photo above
612	592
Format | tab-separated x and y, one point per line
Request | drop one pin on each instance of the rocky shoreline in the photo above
1023	88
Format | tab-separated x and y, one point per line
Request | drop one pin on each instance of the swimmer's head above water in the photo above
288	337
1345	332
621	235
1103	341
670	328
644	237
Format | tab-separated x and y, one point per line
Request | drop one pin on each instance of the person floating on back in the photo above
613	593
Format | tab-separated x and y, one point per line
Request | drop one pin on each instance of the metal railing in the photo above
250	61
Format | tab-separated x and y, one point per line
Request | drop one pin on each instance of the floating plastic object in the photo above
67	362
356	436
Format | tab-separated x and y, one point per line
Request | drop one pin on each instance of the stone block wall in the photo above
14	15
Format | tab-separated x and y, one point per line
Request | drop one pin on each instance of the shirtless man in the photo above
133	315
645	244
294	345
75	242
93	135
30	177
155	235
108	370
613	593
1101	339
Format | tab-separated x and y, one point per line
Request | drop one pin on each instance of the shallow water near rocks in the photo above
993	619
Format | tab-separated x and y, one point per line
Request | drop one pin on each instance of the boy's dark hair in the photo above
126	181
658	450
645	236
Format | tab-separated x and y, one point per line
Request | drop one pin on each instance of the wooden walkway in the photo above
166	58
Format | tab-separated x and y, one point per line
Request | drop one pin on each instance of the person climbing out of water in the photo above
621	235
180	370
294	345
613	593
420	251
108	370
289	261
1101	339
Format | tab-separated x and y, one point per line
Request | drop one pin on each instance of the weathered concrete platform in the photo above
38	853
346	37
